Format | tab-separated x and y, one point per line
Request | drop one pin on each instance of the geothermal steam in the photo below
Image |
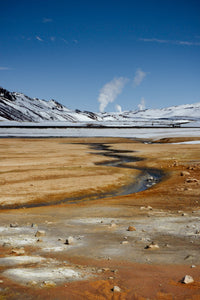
110	91
139	77
141	105
118	108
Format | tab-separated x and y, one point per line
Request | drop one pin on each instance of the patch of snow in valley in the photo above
144	133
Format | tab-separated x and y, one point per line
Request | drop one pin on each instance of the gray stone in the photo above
187	279
152	246
40	233
69	240
116	289
20	251
185	173
14	225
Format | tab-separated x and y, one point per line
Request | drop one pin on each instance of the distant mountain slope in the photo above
19	107
190	112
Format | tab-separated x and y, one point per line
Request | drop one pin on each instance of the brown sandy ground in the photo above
103	253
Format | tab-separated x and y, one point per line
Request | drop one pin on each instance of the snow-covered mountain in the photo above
174	115
19	107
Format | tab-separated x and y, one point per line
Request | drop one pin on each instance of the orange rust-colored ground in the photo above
37	170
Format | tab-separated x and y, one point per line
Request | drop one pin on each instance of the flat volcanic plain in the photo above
72	228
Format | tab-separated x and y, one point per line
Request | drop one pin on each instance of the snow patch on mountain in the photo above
21	108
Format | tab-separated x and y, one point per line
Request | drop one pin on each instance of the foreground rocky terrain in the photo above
66	234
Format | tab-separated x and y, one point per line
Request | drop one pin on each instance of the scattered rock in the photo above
197	231
1	281
116	289
146	207
191	180
111	278
105	269
34	225
187	279
6	245
149	207
69	240
32	283
193	266
152	246
39	240
184	215
175	163
188	257
131	228
40	233
20	251
48	284
187	189
14	225
185	173
124	242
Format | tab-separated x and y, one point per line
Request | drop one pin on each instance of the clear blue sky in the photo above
69	51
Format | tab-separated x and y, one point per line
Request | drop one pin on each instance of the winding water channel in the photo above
119	159
147	178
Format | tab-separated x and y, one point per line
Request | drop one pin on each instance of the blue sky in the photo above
78	52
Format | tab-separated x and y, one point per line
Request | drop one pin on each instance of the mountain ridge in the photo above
18	107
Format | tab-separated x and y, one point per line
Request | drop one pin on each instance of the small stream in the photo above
147	178
119	159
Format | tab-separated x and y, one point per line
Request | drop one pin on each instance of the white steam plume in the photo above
139	76
118	108
110	91
141	105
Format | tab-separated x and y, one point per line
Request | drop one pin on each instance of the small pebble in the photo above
116	289
124	242
152	246
49	284
69	240
18	251
131	228
187	279
40	233
14	225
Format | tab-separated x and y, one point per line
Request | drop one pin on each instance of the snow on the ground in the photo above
143	133
189	142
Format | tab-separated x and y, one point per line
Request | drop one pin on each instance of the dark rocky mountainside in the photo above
19	107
